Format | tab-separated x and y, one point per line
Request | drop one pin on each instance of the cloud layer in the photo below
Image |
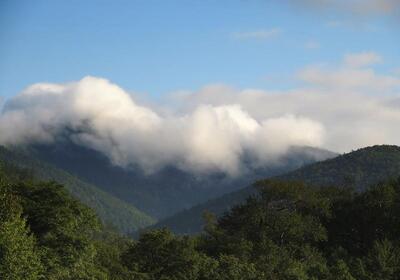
356	105
103	116
213	129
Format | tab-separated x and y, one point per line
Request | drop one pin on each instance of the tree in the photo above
382	262
232	268
64	229
19	255
161	255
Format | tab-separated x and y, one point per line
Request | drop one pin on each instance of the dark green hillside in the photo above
45	233
111	210
289	230
168	190
360	168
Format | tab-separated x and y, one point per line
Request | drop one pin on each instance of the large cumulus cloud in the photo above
103	116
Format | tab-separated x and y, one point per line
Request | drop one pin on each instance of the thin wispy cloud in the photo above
312	45
354	74
362	59
336	23
260	34
397	72
353	25
355	7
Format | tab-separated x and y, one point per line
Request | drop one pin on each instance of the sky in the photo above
158	47
201	84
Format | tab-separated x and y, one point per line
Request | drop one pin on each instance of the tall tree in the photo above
19	255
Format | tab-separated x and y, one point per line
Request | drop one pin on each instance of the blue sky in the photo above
158	47
213	79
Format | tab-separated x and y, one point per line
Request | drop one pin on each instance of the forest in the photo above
288	230
358	169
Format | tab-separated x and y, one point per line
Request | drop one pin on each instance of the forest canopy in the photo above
290	230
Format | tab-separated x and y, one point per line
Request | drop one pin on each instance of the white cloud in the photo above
359	7
350	118
312	45
356	107
397	71
362	59
355	24
355	73
103	116
336	23
257	34
366	80
279	133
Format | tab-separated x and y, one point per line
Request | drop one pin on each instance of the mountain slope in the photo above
111	210
361	168
168	190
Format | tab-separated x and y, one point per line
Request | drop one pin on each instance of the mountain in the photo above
169	190
125	217
289	231
359	168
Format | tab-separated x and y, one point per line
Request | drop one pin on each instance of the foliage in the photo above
288	230
358	169
111	210
19	255
44	233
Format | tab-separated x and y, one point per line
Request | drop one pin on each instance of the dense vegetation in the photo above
290	230
111	210
357	169
166	191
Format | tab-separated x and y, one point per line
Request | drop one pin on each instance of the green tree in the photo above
19	255
109	248
161	255
383	261
232	268
64	229
341	271
280	231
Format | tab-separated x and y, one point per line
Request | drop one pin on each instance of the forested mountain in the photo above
359	169
290	230
112	211
167	191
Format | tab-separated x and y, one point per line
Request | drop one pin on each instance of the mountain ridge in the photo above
163	193
366	165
